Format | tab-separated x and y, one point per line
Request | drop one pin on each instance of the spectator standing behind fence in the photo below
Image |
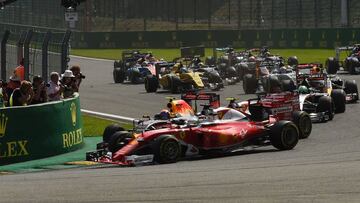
22	96
14	83
20	70
3	95
39	88
78	76
54	89
68	82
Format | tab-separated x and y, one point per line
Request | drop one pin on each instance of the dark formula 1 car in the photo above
134	66
268	75
322	95
224	131
351	63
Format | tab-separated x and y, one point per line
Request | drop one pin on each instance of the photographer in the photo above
39	89
54	89
68	81
78	76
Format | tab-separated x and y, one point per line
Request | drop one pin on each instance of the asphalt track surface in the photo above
323	168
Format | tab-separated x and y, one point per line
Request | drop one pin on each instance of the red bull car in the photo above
221	130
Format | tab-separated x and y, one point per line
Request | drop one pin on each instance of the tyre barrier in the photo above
39	131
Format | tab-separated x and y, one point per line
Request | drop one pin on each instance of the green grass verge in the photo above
304	55
94	126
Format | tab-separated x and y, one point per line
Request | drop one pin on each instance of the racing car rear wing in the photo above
338	50
213	98
159	66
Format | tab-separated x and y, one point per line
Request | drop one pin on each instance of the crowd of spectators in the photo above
20	92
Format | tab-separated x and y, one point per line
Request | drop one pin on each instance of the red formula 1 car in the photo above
283	106
223	130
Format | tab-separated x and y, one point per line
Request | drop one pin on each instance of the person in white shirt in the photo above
54	88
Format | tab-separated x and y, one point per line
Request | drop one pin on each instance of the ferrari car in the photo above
224	130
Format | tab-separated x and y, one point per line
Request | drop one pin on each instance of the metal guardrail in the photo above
108	116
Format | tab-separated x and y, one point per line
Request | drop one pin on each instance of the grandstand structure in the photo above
168	15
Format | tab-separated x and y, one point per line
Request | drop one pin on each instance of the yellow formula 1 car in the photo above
173	77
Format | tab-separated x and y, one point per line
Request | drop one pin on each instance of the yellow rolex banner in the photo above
38	131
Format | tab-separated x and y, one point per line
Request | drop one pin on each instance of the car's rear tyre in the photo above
284	135
110	130
339	99
303	121
353	63
326	104
119	75
118	140
351	88
331	65
151	83
242	67
272	84
249	84
288	85
173	84
167	149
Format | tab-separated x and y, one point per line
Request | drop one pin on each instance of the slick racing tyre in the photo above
339	99
284	135
331	65
110	130
151	83
167	149
351	88
353	63
174	83
303	121
249	84
326	104
119	75
273	84
288	85
118	140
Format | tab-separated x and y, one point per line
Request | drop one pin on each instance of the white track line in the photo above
94	59
108	116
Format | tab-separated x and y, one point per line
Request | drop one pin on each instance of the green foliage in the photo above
94	126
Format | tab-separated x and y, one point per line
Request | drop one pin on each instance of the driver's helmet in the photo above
303	89
183	70
196	60
252	59
176	67
164	114
283	69
201	64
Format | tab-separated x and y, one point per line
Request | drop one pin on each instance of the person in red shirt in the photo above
19	71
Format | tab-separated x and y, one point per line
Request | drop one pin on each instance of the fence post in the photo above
209	14
44	51
195	9
239	14
65	51
27	54
3	54
20	45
